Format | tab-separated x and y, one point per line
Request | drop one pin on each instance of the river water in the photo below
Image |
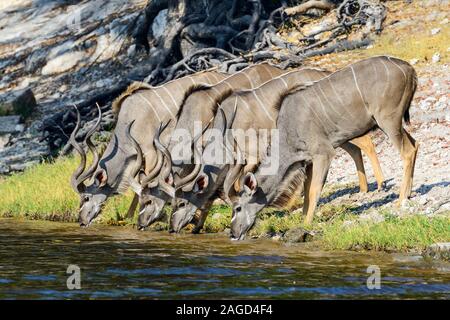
119	262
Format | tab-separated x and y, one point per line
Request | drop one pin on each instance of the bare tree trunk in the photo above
311	4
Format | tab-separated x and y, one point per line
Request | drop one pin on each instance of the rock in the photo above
35	61
435	31
10	124
441	104
436	57
159	23
373	217
4	139
63	63
298	235
276	237
423	200
21	103
131	52
348	223
216	216
439	251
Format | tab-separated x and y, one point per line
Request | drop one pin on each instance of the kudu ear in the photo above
201	183
250	183
169	179
100	178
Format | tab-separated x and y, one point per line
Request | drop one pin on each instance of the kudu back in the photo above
321	116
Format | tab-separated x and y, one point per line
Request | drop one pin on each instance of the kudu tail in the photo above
406	115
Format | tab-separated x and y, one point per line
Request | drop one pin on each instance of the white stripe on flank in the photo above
284	82
179	86
387	78
246	75
209	97
268	71
314	112
171	97
359	90
192	80
261	92
245	103
263	106
324	108
331	106
164	104
229	85
149	103
339	98
376	86
215	89
404	74
210	75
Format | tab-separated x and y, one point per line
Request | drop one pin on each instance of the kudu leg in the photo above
365	144
356	155
316	176
202	218
132	208
408	148
409	154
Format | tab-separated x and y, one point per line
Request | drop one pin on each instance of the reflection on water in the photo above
123	263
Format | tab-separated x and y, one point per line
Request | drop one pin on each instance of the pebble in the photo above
435	31
422	201
439	251
436	57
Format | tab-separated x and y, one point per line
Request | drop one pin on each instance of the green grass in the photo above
219	218
396	234
43	192
420	46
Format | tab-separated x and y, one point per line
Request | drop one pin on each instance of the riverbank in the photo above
42	193
346	219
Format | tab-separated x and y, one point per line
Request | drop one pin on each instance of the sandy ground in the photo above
430	126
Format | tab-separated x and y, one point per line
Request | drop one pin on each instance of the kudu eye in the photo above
149	202
238	209
182	205
86	198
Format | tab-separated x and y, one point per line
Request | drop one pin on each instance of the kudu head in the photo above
245	207
92	197
194	190
155	188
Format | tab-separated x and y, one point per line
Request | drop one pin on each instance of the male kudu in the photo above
147	106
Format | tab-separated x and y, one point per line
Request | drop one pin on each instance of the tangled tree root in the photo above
230	35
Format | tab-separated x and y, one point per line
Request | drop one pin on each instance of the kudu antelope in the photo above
252	112
198	105
315	119
147	106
